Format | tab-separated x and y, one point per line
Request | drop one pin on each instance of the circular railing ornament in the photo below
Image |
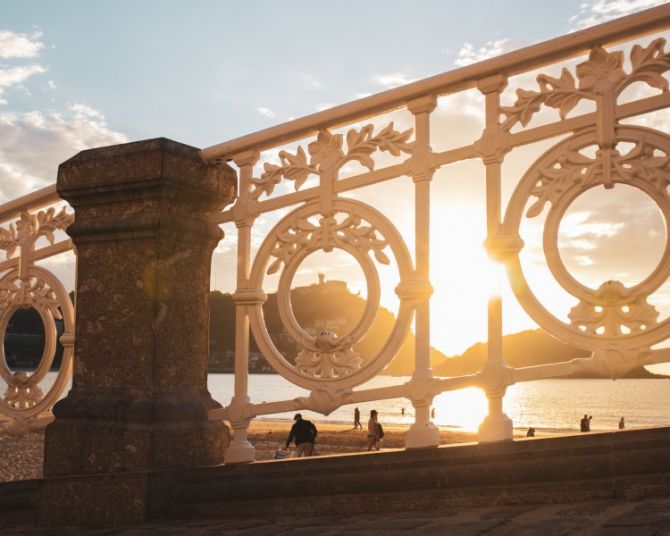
612	320
362	232
38	289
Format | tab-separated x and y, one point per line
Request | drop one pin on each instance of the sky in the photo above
81	74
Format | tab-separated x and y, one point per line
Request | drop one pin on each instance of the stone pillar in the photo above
139	400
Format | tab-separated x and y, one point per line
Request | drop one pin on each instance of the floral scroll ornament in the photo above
331	361
327	156
574	169
30	227
21	392
327	235
602	74
615	312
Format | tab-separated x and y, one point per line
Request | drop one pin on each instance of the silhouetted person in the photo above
402	412
373	431
357	419
622	424
432	413
530	432
585	423
304	432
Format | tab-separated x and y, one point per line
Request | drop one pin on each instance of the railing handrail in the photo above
34	200
524	59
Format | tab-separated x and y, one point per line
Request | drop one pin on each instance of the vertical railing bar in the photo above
493	145
240	449
423	433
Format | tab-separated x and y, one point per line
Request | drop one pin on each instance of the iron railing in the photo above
592	148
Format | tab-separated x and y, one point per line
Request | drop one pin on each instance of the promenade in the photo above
649	517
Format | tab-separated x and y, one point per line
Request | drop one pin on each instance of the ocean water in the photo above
549	405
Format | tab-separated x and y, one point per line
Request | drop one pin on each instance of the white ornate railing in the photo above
24	284
596	149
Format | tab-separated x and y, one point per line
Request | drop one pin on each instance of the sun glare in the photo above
464	409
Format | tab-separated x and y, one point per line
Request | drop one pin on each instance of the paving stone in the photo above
632	531
654	514
384	523
460	529
507	512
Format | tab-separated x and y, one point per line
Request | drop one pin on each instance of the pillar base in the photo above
93	500
496	428
421	435
240	453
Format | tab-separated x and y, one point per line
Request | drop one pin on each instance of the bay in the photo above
551	405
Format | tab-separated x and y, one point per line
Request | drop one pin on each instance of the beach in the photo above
22	455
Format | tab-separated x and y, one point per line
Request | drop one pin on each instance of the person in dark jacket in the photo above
304	433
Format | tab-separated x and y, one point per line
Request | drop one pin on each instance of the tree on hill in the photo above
325	305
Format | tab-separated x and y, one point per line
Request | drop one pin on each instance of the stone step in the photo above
17	501
628	464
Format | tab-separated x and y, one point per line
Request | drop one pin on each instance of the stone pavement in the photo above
609	517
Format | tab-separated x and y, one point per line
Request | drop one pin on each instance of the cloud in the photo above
592	12
596	239
34	143
13	45
393	79
468	54
267	112
324	106
309	80
14	76
579	224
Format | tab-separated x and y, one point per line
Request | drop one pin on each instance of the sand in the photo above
21	456
270	436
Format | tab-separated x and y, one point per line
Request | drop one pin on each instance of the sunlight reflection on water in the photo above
552	405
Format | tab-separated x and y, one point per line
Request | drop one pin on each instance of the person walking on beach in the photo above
357	419
622	424
304	433
585	423
373	431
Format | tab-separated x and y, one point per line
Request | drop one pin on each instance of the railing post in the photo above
492	147
423	433
139	400
240	450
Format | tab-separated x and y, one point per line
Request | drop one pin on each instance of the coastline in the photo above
22	456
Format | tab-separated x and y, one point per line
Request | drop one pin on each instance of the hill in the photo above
523	349
324	305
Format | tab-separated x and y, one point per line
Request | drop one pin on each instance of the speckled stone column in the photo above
139	400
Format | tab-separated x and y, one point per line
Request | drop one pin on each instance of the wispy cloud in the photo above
15	76
577	226
267	112
13	45
468	54
393	79
592	12
34	143
310	80
324	106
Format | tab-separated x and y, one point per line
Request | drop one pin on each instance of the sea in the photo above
552	405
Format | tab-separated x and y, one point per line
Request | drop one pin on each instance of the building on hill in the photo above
321	292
